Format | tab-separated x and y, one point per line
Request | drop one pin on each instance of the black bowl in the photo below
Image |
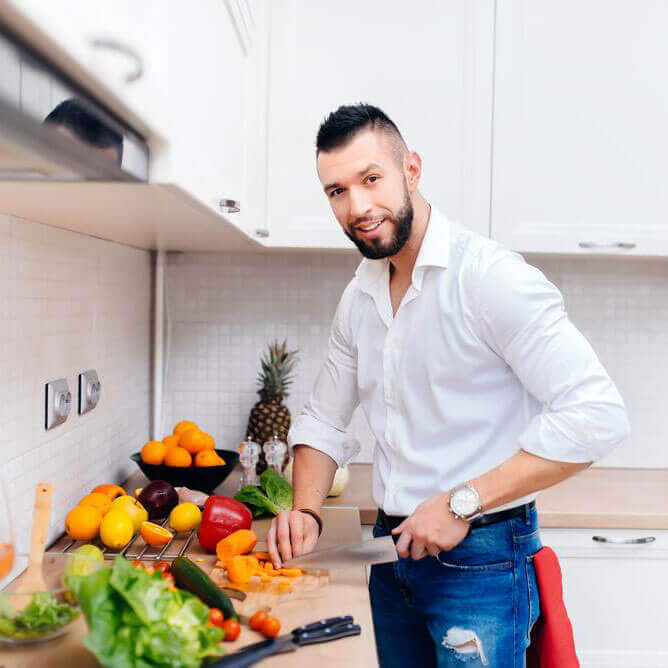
202	478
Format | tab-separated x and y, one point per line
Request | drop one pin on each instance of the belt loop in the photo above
527	513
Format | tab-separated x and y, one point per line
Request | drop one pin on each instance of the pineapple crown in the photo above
276	374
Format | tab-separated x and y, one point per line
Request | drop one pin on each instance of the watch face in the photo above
465	501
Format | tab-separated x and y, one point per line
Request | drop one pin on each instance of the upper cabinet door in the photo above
428	65
580	132
210	51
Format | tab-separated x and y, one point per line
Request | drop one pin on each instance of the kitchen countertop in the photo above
346	593
602	498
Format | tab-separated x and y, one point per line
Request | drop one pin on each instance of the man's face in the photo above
367	190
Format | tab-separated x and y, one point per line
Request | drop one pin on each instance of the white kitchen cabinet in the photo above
580	133
113	40
428	65
212	102
615	594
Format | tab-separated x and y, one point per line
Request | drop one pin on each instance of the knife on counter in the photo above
366	552
310	634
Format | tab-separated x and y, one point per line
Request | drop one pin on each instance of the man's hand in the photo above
291	533
432	528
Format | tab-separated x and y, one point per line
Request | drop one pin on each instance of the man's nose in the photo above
360	203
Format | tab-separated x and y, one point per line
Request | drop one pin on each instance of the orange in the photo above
208	458
171	440
83	523
184	425
195	441
100	501
153	452
155	535
178	457
112	491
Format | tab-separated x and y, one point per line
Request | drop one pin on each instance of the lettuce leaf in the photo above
272	495
135	621
42	615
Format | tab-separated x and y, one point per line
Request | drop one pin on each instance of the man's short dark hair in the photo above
86	127
342	125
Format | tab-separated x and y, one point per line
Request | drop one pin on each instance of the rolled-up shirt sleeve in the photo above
322	423
522	318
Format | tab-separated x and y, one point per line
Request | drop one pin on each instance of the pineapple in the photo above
270	417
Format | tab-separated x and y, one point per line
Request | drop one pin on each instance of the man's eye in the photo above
335	192
372	179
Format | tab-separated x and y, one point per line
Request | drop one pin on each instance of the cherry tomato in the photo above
163	566
138	563
257	619
232	629
270	627
216	618
169	577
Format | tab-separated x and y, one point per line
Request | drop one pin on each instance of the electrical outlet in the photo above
58	399
89	391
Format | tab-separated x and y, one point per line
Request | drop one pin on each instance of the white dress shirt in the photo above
479	361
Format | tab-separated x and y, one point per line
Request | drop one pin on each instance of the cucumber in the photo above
192	578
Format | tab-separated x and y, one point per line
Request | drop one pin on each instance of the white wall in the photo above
68	303
225	308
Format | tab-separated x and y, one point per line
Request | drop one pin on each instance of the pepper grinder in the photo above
274	453
249	455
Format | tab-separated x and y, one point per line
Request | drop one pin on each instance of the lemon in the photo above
116	529
185	516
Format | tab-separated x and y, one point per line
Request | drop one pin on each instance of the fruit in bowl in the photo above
181	448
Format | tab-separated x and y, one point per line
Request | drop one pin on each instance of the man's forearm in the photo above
520	475
312	476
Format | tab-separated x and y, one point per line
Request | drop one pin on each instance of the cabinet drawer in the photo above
608	543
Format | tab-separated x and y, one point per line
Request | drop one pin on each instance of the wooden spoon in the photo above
32	580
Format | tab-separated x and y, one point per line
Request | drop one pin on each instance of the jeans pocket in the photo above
533	595
498	566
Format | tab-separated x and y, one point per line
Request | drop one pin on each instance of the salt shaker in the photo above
274	453
249	454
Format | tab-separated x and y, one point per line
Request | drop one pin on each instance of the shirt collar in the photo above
434	252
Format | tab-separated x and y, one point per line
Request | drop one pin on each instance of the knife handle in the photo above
247	656
329	633
323	623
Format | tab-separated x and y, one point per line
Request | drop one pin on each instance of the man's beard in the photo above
376	249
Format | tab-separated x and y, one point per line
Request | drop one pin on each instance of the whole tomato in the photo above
270	627
216	618
232	629
222	515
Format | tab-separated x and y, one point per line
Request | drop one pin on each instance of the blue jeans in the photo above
472	606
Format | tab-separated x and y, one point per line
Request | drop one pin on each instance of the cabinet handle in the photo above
615	244
230	205
624	541
114	45
262	232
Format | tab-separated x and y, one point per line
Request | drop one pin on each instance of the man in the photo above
479	392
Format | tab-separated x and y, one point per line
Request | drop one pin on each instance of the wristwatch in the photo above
465	503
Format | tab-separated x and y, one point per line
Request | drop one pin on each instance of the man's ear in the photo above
412	170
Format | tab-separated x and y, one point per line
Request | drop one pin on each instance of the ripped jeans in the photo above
472	606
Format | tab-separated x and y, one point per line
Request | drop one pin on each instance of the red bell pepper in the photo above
222	515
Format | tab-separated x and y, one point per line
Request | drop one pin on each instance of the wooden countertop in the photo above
345	594
605	498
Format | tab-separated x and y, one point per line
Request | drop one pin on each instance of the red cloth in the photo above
552	644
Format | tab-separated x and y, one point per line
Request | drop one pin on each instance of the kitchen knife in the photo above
366	552
318	632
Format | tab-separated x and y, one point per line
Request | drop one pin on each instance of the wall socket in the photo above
89	391
58	399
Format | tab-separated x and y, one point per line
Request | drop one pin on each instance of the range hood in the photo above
52	130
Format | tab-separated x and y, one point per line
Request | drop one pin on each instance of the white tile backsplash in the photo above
68	303
225	308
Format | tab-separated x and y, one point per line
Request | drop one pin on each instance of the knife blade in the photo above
366	552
